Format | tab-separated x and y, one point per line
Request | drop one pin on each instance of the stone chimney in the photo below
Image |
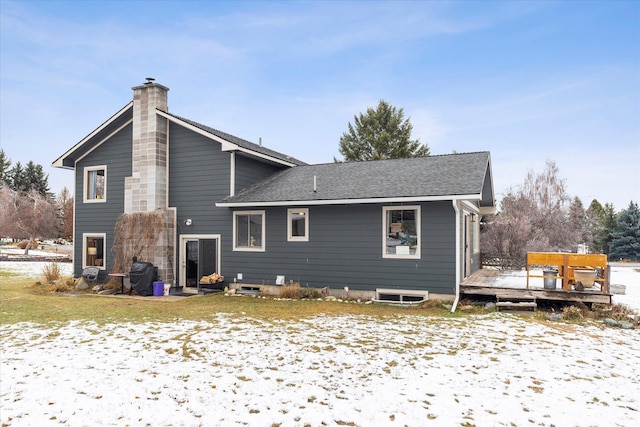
146	189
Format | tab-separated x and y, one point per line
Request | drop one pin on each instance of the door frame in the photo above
467	245
184	238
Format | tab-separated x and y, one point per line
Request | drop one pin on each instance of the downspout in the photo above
457	298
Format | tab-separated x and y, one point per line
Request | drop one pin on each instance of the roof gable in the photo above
461	176
87	144
233	142
125	116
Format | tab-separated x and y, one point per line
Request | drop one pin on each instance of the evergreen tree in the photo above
608	221
381	133
17	177
578	225
593	215
35	179
5	164
625	239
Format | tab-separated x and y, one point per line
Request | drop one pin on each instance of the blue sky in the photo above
527	81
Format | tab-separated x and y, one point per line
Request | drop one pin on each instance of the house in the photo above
254	215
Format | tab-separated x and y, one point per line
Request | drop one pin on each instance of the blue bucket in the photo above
158	289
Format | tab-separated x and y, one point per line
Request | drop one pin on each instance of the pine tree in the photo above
593	215
35	179
379	134
607	224
16	175
5	164
625	239
578	221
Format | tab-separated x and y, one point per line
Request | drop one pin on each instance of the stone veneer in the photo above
146	189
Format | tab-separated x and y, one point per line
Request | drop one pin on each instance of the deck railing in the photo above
568	264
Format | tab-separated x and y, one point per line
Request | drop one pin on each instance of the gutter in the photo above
457	298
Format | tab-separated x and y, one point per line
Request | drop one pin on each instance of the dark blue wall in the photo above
101	217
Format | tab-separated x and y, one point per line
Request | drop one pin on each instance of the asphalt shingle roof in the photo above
432	176
241	142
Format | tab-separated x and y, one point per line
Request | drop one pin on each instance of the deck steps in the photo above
524	302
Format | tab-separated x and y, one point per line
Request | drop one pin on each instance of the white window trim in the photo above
386	209
86	184
235	240
290	236
102	236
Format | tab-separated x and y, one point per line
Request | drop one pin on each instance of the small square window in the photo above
95	184
248	231
298	225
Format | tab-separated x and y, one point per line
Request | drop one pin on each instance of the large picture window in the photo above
248	231
401	232
298	225
94	250
95	183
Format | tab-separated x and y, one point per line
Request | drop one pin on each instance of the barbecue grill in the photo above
141	277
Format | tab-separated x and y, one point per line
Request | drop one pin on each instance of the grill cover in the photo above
142	276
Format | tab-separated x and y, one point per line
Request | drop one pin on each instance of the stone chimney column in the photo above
146	189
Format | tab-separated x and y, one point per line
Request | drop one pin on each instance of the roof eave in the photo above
226	145
60	161
349	201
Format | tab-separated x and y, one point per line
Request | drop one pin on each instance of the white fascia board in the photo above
226	145
349	201
263	156
58	162
127	123
470	206
488	210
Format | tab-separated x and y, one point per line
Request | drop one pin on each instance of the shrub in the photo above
571	312
51	272
291	290
310	293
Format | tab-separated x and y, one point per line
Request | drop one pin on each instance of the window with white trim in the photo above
95	184
94	250
248	231
298	225
401	232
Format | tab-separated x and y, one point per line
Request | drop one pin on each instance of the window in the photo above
93	250
248	231
95	183
401	232
298	225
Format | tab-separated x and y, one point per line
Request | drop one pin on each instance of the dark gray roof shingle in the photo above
241	142
432	176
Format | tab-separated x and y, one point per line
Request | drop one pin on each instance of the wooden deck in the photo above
509	284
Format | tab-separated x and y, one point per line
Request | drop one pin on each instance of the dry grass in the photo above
571	312
290	290
52	272
24	301
294	291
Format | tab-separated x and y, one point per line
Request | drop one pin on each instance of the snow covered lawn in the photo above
410	370
495	369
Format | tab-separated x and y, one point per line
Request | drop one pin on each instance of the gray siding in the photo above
345	241
250	171
198	178
345	248
101	217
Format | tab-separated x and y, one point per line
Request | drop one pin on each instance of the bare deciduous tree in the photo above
533	217
26	215
65	208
